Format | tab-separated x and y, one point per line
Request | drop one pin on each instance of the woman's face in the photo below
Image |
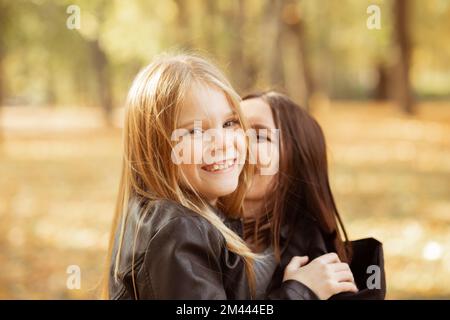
265	147
212	145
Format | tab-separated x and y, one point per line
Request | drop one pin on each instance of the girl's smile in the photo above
221	167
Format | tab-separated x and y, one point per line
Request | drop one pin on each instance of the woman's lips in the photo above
220	166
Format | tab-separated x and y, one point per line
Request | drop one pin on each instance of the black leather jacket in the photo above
303	237
180	255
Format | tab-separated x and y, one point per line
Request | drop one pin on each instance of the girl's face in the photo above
213	141
259	116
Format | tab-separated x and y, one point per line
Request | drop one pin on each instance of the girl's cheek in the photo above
188	150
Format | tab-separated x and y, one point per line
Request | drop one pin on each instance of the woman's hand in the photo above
325	275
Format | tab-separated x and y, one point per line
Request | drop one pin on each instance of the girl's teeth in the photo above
216	167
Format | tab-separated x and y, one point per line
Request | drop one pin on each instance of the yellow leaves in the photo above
59	177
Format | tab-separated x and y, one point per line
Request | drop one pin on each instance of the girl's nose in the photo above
221	139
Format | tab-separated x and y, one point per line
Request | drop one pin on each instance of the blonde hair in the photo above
153	105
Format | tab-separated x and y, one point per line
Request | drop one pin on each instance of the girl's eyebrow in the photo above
186	124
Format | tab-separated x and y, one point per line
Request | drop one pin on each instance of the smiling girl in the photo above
171	234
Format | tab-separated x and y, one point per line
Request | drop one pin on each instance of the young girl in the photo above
171	234
293	211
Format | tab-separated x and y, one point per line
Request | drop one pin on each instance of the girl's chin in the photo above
218	191
222	177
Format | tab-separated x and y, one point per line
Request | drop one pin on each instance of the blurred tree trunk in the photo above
382	87
2	90
2	70
50	92
101	63
101	66
210	27
236	15
183	33
296	27
243	68
402	42
3	18
273	35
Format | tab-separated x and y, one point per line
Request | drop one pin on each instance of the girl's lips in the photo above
220	166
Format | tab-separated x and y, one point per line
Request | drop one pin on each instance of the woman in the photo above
292	209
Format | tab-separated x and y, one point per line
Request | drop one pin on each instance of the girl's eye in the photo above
195	131
231	123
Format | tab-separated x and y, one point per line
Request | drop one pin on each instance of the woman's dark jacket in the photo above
302	237
179	255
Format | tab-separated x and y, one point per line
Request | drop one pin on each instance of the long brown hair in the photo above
301	185
153	104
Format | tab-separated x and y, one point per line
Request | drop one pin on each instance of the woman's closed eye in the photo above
262	138
264	135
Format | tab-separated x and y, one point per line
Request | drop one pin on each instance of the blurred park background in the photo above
380	89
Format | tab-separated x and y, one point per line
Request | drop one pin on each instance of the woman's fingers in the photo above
342	272
344	276
325	275
297	262
329	258
345	287
341	266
